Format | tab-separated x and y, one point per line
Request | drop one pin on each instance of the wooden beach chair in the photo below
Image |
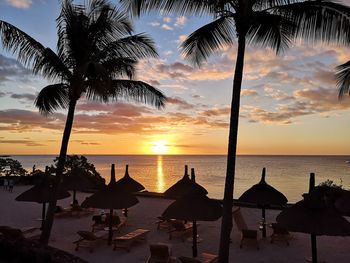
180	228
163	223
160	253
127	240
280	234
117	223
203	258
89	239
246	233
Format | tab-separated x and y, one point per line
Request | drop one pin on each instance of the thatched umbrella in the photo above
183	186
313	216
194	206
263	195
76	182
110	197
41	193
129	185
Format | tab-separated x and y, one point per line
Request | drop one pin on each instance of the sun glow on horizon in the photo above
160	147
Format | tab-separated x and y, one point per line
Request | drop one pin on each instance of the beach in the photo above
144	215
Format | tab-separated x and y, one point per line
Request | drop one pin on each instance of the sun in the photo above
159	147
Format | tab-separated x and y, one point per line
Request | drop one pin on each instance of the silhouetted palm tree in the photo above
268	23
343	78
96	58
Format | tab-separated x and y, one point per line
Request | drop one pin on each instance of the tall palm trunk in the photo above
226	223
45	235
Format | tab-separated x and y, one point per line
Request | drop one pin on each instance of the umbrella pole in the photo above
110	233
74	197
194	238
313	248
125	212
43	216
263	215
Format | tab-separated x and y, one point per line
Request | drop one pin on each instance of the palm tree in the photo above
343	79
96	58
268	23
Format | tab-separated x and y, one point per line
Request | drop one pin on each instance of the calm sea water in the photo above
289	174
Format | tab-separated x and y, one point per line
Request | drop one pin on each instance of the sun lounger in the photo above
178	227
89	239
242	226
117	223
163	223
279	233
203	258
160	253
127	240
31	232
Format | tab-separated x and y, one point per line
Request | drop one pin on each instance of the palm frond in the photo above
108	24
343	78
52	97
120	67
137	91
20	43
208	39
135	47
318	20
181	7
31	53
270	30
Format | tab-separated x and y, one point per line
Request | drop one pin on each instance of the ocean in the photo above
289	174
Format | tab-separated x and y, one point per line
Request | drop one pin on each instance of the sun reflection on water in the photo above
160	175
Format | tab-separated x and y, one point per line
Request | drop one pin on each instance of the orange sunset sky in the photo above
289	102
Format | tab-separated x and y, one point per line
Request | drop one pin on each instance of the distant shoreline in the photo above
239	155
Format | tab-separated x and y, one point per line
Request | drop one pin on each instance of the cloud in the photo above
25	142
166	27
178	71
180	21
167	19
277	94
154	24
216	112
248	92
20	3
25	96
305	102
2	94
11	68
181	103
181	39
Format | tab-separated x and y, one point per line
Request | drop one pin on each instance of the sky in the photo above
289	102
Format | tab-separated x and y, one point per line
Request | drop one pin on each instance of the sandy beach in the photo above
144	215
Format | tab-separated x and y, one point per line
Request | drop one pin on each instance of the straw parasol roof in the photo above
77	182
194	206
312	216
110	197
263	195
41	193
128	184
183	186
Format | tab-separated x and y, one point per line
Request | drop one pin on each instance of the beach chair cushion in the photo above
127	240
87	235
242	226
